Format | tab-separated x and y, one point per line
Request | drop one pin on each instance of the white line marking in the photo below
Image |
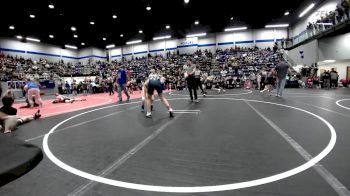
311	96
198	189
82	123
321	170
338	103
245	93
186	112
84	188
326	109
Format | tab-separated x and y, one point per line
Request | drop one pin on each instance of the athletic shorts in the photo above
154	85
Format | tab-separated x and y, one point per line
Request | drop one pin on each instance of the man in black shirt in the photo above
7	102
281	72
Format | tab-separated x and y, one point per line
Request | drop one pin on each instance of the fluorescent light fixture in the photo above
92	22
162	37
51	36
104	39
186	1
51	6
73	28
196	22
140	31
134	42
329	61
82	43
196	35
11	27
121	35
325	24
307	10
75	36
167	27
236	29
32	16
32	39
277	26
19	37
110	46
286	13
114	16
148	8
71	47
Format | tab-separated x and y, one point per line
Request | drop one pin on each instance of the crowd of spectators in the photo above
327	20
229	68
234	64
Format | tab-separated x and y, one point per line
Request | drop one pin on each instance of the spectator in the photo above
334	78
67	86
346	6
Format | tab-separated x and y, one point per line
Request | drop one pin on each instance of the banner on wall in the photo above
18	85
47	84
188	41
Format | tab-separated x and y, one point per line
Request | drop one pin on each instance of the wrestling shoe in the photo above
37	115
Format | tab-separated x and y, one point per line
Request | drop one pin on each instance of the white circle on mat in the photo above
338	103
197	189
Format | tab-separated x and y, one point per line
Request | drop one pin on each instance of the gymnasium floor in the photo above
266	142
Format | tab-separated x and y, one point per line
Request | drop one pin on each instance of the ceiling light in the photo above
196	22
231	18
329	61
148	8
51	36
11	27
140	31
75	36
110	46
196	35
121	35
104	39
92	22
71	47
286	13
277	26
236	29
82	43
32	16
114	16
162	37
167	27
307	10
73	28
19	37
134	42
51	6
32	39
186	1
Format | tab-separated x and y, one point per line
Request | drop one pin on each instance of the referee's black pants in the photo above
192	86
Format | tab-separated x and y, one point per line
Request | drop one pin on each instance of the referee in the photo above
191	80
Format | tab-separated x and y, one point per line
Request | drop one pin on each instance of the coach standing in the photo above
122	80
